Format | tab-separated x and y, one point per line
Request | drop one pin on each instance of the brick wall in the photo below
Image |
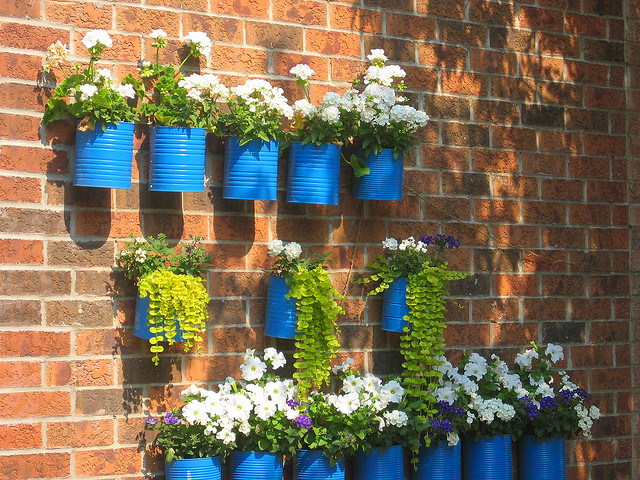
531	158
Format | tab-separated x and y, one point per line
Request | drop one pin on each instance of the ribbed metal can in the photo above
487	458
439	462
384	182
282	314
380	464
208	468
542	459
394	306
250	170
177	159
104	158
255	466
314	174
313	465
141	321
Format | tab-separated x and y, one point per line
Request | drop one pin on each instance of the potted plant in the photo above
314	325
386	130
253	122
181	109
317	136
172	299
104	112
554	410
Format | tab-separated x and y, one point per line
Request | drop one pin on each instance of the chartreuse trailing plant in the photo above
90	94
171	278
317	311
424	264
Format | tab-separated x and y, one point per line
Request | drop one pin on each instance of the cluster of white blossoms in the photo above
97	37
260	95
586	416
208	85
410	244
228	411
199	41
291	250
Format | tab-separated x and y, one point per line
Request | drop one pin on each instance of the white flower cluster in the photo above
200	41
260	94
228	411
208	85
291	250
487	410
302	72
410	244
586	416
97	37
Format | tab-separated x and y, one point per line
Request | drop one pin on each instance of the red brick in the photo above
250	8
14	65
183	4
562	93
516	235
515	285
411	26
350	17
20	35
85	15
494	62
586	309
541	19
137	19
89	433
560	189
514	88
20	374
33	159
536	164
332	43
543	212
34	404
80	373
114	224
467	335
464	83
117	461
608	238
591	214
515	186
489	12
495	310
541	66
226	30
585	25
443	8
24	252
35	465
544	308
34	344
448	158
544	261
609	192
563	237
20	189
21	435
594	451
514	138
610	379
566	45
496	210
584	72
19	8
215	368
449	56
553	141
591	356
41	283
589	167
563	285
23	97
514	333
308	13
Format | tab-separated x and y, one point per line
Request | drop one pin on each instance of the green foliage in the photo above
176	301
316	328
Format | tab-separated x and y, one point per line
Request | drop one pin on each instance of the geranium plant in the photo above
255	110
171	278
177	100
386	121
553	405
317	311
90	94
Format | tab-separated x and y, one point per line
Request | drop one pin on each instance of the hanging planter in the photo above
542	459
314	465
394	306
439	462
314	173
207	468
488	458
384	181
177	159
380	464
282	313
103	158
250	170
141	327
256	465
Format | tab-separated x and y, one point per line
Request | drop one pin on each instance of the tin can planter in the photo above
282	314
394	306
542	459
176	159
313	465
314	174
487	458
250	170
384	181
141	321
207	468
439	462
256	466
103	158
379	464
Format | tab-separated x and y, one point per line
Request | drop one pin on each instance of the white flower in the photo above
239	407
330	114
95	37
534	382
348	403
332	99
276	358
306	108
345	365
302	71
452	439
445	394
200	41
195	94
265	410
394	390
377	54
477	370
56	54
126	90
196	412
397	418
555	352
253	369
390	244
192	390
525	359
275	247
352	384
158	34
545	390
292	251
87	91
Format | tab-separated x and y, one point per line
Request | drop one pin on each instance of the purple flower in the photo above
169	419
440	426
581	392
445	407
566	395
441	241
530	408
304	421
548	403
150	420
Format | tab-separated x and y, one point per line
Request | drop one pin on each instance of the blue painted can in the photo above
487	458
207	468
394	306
177	159
250	170
314	174
384	182
104	158
439	462
542	459
380	464
313	465
141	320
282	314
256	466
